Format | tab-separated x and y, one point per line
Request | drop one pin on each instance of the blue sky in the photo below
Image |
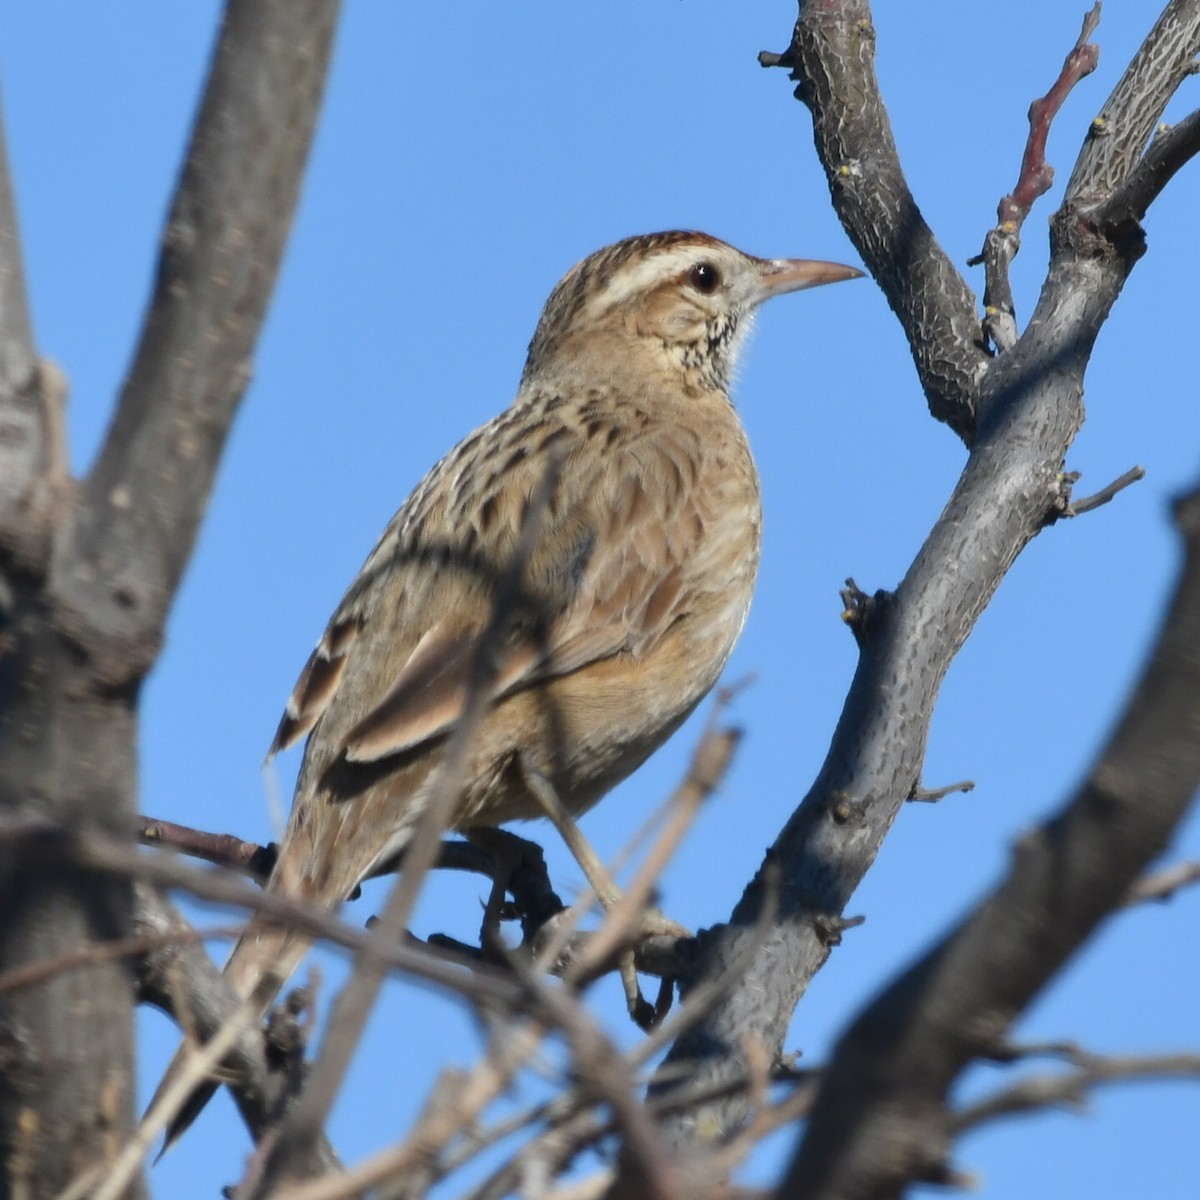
466	158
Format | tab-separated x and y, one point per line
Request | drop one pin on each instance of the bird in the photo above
631	597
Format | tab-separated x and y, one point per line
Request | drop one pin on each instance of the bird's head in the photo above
688	296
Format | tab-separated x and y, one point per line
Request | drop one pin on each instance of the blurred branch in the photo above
881	1119
1072	1088
34	474
140	508
177	972
42	841
1161	886
89	573
18	357
33	455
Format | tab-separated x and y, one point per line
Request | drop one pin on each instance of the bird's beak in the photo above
780	275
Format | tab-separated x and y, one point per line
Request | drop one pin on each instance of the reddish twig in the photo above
1002	243
1036	174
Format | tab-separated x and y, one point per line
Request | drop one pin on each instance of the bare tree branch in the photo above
44	843
141	505
18	357
1072	1088
1028	409
178	971
1076	508
1118	136
881	1119
1001	244
1172	147
832	58
1161	886
33	449
94	577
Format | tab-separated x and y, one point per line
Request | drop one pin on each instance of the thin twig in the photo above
223	849
1004	240
923	795
99	851
1104	495
449	1112
709	764
228	850
99	952
1071	1089
1163	885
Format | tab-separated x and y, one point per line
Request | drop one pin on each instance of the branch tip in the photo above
1075	508
933	795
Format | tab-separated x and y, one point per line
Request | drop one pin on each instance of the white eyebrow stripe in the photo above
637	277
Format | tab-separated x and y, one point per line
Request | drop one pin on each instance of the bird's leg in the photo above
654	923
602	883
501	852
543	791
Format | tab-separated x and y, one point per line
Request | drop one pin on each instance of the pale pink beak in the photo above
780	275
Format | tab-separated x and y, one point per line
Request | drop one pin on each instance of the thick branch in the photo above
1028	411
1118	136
882	1118
1173	146
833	58
139	510
33	457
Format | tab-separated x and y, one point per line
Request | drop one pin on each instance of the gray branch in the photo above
88	571
1117	138
1028	408
832	57
18	358
882	1118
140	508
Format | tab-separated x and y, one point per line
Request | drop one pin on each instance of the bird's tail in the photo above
261	963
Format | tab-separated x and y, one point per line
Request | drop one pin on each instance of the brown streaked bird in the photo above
636	589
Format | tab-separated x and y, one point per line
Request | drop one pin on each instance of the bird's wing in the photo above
606	576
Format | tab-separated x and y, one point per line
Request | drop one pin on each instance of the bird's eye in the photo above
704	277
